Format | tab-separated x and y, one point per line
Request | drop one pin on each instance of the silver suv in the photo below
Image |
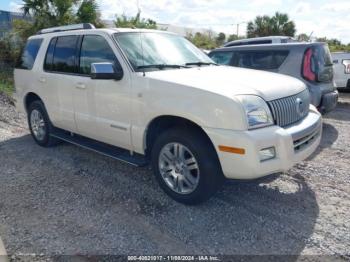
309	62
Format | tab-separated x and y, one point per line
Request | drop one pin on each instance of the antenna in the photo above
311	36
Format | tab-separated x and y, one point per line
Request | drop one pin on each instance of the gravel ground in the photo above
67	200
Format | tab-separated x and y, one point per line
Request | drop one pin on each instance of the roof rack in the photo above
66	28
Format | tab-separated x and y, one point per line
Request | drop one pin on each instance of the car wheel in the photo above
40	125
186	166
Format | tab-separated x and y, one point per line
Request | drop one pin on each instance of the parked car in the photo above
151	97
261	41
341	62
309	62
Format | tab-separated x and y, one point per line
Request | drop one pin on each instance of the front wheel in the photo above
186	166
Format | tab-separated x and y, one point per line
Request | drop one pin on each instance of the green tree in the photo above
134	22
202	40
234	37
48	13
334	44
279	24
220	39
88	13
303	38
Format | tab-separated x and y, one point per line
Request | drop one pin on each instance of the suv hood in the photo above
230	81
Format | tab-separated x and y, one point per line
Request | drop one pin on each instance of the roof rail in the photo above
66	28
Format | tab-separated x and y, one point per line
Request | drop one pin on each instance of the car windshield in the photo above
159	51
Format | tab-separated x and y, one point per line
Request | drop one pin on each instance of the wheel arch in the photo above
165	122
30	98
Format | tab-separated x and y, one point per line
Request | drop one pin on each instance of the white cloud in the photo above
15	6
265	3
337	6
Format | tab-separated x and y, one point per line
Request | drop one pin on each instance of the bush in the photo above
6	81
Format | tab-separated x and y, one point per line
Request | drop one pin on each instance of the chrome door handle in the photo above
42	80
80	86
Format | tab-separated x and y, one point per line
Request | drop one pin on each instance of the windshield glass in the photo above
147	49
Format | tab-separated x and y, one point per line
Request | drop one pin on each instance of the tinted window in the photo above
29	54
64	55
222	58
261	60
94	49
49	54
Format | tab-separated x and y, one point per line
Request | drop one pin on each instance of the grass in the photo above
6	83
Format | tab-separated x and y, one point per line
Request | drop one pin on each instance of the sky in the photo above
323	18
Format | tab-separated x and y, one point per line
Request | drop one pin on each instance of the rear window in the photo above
30	51
64	55
323	55
222	58
260	60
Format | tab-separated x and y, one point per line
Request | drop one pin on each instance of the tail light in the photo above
317	64
308	72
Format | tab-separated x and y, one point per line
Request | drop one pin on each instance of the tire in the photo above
40	126
192	181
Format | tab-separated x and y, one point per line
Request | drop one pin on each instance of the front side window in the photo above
260	60
147	49
222	58
95	49
29	54
64	54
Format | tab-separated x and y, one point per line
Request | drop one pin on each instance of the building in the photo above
6	20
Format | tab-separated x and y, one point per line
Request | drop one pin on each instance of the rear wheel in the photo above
40	125
186	166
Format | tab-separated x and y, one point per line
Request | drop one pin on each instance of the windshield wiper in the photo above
201	63
161	66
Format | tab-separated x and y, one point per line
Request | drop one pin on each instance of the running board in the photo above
101	148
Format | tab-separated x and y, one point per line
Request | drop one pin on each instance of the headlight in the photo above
257	111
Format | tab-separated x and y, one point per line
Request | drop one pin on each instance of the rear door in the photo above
59	76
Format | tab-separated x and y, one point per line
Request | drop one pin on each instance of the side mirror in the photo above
105	71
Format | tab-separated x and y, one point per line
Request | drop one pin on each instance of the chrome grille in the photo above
289	110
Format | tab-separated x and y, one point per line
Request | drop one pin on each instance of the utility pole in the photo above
238	24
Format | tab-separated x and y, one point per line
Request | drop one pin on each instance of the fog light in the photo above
267	154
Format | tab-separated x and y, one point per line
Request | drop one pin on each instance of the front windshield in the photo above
147	49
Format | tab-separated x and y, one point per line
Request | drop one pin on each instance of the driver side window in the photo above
95	49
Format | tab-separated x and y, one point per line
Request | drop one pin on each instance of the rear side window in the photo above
260	60
49	55
65	54
222	58
95	49
30	51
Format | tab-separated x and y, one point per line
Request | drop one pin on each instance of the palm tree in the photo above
48	13
265	25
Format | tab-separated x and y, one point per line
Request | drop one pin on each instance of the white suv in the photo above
145	96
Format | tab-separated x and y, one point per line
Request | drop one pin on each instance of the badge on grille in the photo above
301	106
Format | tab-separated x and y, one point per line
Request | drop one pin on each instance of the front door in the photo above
102	106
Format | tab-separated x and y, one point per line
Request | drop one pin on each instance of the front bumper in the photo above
329	102
292	145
